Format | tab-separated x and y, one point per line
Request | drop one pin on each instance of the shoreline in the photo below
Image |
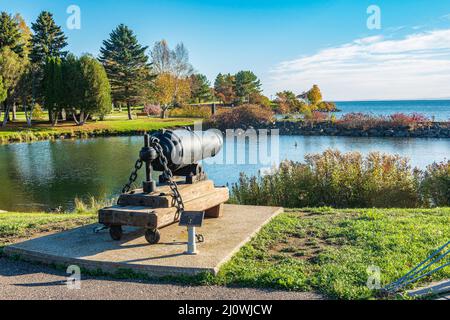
437	130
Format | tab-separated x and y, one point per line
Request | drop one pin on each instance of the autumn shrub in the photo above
316	116
435	186
191	112
356	120
326	106
38	113
248	115
334	179
401	119
152	109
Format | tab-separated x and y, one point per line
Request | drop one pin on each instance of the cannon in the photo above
181	186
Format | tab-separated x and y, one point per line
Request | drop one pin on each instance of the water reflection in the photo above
45	175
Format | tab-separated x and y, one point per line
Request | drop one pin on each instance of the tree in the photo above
48	39
224	88
173	71
24	85
288	102
11	69
53	88
96	98
25	93
3	93
314	95
25	35
246	84
72	84
10	35
200	88
170	90
127	66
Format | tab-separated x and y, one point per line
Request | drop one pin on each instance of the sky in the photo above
290	44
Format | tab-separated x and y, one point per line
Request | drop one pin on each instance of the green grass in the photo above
14	225
324	250
19	132
329	250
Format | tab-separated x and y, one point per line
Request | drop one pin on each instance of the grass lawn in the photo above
19	132
14	226
325	250
330	250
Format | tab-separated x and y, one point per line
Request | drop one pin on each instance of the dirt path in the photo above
21	280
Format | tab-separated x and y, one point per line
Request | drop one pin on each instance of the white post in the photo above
192	246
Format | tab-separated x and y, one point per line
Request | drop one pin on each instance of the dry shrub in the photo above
335	179
242	117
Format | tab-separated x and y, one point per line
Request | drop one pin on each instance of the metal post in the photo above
192	245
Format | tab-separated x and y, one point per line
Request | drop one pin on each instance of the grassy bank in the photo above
19	132
330	250
14	226
324	249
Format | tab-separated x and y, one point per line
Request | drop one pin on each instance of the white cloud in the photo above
416	66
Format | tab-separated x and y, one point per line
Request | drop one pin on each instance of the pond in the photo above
46	175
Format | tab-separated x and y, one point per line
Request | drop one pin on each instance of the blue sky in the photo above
288	44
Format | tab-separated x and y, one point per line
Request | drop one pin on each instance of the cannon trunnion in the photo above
155	206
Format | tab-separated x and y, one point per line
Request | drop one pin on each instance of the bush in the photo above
38	112
436	184
358	120
191	112
335	179
326	106
248	115
401	119
316	116
152	109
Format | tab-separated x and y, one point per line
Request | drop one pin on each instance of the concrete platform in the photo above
223	238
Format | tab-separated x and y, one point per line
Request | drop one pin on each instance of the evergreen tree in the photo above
126	65
48	39
247	84
96	98
53	88
200	90
10	35
224	88
72	83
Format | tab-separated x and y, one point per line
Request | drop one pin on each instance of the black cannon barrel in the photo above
184	147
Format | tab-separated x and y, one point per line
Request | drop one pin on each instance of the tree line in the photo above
36	70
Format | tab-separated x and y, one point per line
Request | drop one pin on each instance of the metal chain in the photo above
134	174
169	176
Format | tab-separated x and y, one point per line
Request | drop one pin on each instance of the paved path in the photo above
21	280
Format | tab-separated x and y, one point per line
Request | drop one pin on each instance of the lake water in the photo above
45	175
439	109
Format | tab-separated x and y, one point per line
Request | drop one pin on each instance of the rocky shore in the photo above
418	130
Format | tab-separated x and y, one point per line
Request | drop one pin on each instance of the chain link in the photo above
133	177
169	177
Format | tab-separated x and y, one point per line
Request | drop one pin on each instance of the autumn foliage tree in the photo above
173	84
